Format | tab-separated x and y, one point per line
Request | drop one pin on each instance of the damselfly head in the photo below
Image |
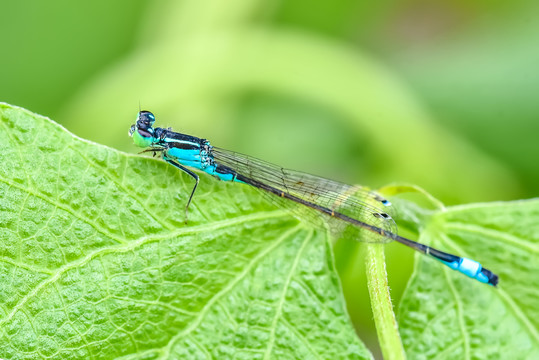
142	131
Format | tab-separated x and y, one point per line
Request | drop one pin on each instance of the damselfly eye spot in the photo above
381	215
382	200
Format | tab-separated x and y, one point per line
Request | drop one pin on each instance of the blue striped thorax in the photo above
186	149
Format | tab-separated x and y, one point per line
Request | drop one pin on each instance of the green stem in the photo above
382	309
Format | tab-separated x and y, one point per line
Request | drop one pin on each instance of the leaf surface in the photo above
444	315
96	261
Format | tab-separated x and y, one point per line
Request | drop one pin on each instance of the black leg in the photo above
189	172
153	150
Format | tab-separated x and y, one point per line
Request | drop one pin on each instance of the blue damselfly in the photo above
350	211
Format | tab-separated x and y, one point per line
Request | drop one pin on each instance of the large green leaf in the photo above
96	261
444	315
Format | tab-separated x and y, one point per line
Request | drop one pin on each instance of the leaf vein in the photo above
280	304
460	314
66	209
497	234
125	247
125	190
225	290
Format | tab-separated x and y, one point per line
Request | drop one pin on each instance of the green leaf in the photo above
96	261
444	315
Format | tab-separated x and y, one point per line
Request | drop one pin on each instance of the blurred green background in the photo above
439	94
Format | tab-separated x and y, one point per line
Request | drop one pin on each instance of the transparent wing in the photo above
357	202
